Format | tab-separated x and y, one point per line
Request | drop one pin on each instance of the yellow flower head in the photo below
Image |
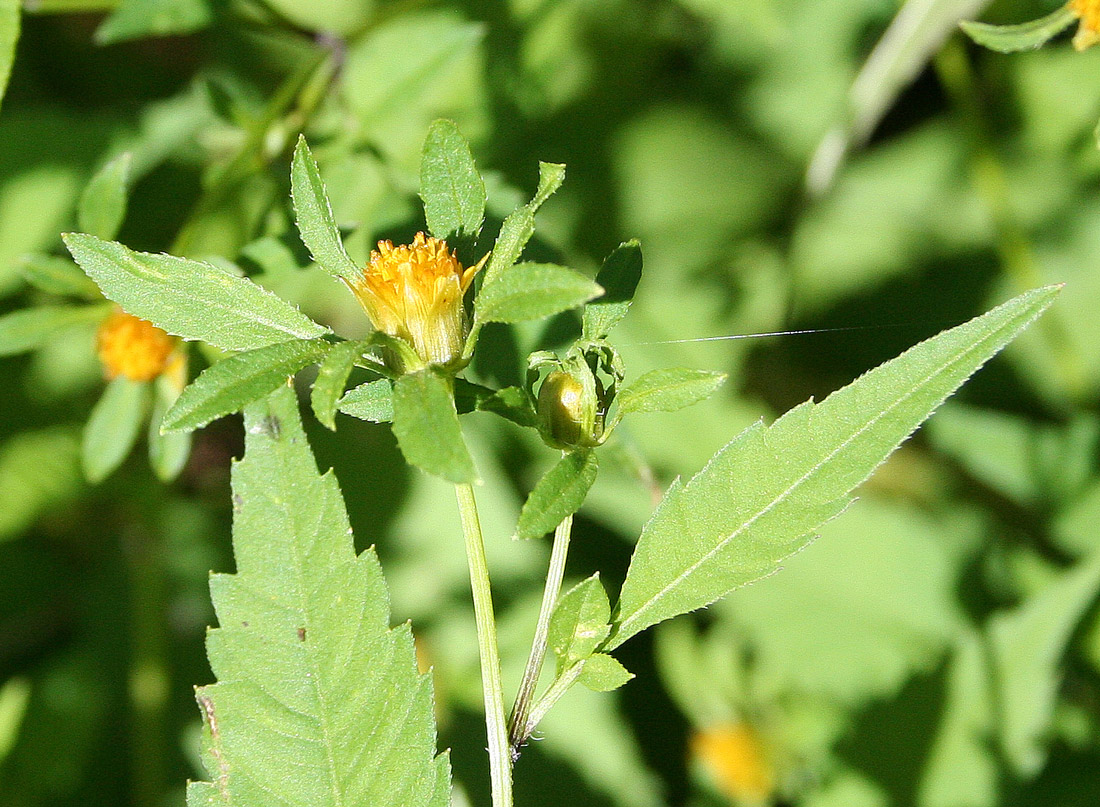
734	757
134	348
1088	32
415	293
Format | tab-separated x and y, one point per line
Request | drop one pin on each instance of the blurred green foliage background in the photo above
938	646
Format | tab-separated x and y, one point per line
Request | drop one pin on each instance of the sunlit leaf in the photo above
426	426
558	495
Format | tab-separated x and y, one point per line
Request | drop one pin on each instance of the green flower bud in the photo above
567	408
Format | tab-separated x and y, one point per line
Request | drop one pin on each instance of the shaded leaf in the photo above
760	498
134	19
317	702
558	495
191	299
113	427
511	403
426	426
313	213
619	278
232	383
332	375
372	401
532	291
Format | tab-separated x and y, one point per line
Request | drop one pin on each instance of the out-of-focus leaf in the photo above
426	426
317	701
168	453
532	291
518	228
113	427
558	495
450	185
372	401
103	203
1028	644
134	19
191	299
332	375
314	216
761	497
1025	36
961	770
619	278
340	17
38	470
14	695
232	383
56	275
9	36
30	328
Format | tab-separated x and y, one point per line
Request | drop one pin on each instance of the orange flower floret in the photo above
1088	32
134	348
415	293
733	755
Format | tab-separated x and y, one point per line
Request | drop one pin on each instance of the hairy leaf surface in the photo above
318	702
761	497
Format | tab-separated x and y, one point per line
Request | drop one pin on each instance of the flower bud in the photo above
567	408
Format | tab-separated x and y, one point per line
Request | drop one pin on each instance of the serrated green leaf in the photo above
103	202
56	275
579	622
113	427
1026	36
168	453
232	383
761	497
619	278
332	375
31	328
602	673
318	703
313	213
511	403
9	36
518	228
191	299
134	19
450	185
558	495
532	291
372	401
1028	644
668	390
426	426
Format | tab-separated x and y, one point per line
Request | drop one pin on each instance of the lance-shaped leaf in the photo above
372	401
318	702
1025	36
579	622
619	278
31	328
761	497
558	495
103	202
56	275
332	375
9	36
520	224
667	390
313	213
168	453
190	299
113	427
452	189
232	383
426	426
533	291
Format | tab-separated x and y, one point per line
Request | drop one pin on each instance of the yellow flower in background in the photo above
131	347
734	758
414	293
1088	32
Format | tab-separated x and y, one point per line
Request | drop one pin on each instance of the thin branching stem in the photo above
517	733
500	755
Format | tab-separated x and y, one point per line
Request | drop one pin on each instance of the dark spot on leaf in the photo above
238	502
301	634
244	624
272	426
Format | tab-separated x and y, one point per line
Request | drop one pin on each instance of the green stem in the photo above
500	757
552	696
522	709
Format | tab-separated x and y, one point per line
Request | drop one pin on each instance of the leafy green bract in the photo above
1025	36
761	497
318	702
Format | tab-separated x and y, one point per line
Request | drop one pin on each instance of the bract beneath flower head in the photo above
1088	32
415	293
